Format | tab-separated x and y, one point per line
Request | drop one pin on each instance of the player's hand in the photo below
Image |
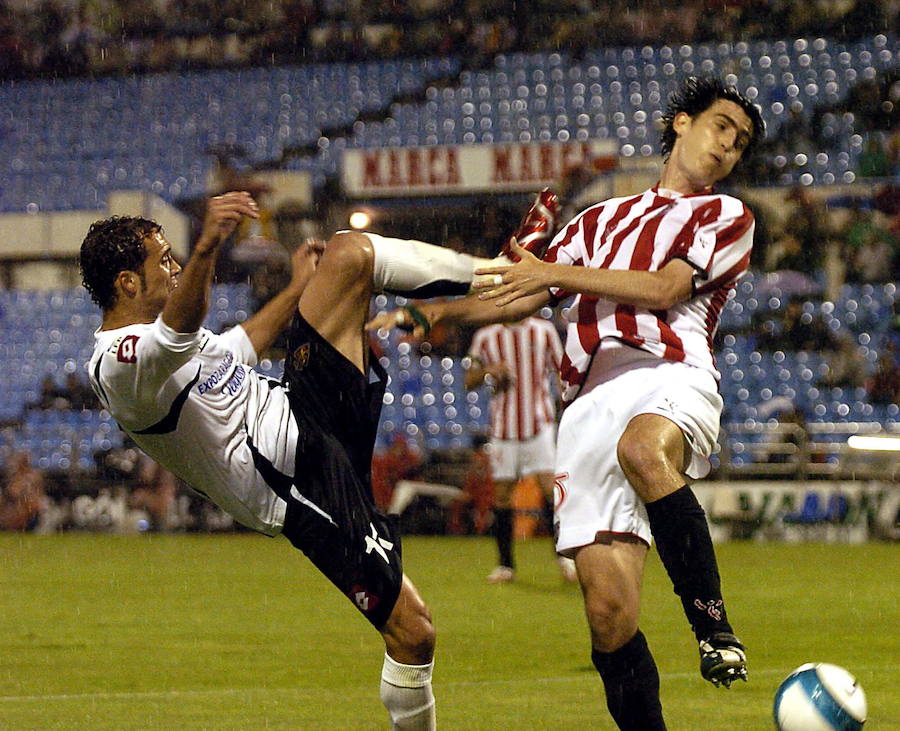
223	214
501	377
406	320
304	262
505	284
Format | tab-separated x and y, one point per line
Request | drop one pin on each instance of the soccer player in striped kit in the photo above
518	361
651	273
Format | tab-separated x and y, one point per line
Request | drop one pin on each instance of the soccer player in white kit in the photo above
518	361
651	273
290	457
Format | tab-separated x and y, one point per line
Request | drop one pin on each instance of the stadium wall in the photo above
37	249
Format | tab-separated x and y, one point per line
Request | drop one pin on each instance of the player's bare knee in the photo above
610	622
411	638
409	632
348	253
611	618
641	457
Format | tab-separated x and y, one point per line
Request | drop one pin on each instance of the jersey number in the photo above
127	352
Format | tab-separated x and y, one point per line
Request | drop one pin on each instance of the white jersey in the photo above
192	402
532	350
712	232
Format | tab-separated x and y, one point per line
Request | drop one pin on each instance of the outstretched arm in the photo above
469	310
657	290
274	316
186	307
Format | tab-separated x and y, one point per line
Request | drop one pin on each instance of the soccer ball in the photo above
820	697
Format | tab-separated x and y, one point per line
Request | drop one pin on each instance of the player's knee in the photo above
410	633
417	636
347	254
639	454
611	622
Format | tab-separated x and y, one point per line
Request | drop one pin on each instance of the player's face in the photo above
160	269
709	145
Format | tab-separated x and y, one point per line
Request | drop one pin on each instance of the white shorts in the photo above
512	459
591	491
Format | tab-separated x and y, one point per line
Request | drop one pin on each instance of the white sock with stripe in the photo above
406	693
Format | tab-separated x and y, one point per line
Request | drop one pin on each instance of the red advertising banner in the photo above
448	169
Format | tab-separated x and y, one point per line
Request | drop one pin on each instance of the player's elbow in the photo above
660	300
665	292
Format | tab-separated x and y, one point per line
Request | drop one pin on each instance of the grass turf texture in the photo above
239	631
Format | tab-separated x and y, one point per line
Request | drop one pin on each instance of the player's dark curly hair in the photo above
111	246
697	94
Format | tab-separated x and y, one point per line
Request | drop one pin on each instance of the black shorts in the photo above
331	515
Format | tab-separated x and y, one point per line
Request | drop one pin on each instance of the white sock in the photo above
406	693
416	269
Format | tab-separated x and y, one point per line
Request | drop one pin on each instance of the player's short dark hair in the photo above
111	246
697	94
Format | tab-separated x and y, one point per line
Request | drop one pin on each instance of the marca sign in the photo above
442	169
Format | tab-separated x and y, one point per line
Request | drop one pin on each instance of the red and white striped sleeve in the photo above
570	245
732	234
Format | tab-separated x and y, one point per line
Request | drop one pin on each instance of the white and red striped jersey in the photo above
712	232
532	350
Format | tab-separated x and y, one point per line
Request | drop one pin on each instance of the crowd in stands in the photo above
873	105
74	394
61	38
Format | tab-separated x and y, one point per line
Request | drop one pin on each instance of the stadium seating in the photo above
51	333
67	144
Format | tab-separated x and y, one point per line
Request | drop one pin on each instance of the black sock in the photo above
682	538
631	681
547	515
503	529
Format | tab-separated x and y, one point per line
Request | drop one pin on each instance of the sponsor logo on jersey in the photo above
300	357
234	383
217	375
126	350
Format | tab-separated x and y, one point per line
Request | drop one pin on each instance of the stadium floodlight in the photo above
359	220
874	444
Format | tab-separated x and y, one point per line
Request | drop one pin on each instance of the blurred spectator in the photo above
796	133
805	233
873	104
884	384
75	394
155	492
79	394
869	250
893	149
52	396
795	330
398	462
22	501
475	511
118	464
799	330
789	445
873	161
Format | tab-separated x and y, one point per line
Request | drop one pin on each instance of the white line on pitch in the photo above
124	695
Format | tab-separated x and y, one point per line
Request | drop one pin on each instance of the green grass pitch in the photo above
240	632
